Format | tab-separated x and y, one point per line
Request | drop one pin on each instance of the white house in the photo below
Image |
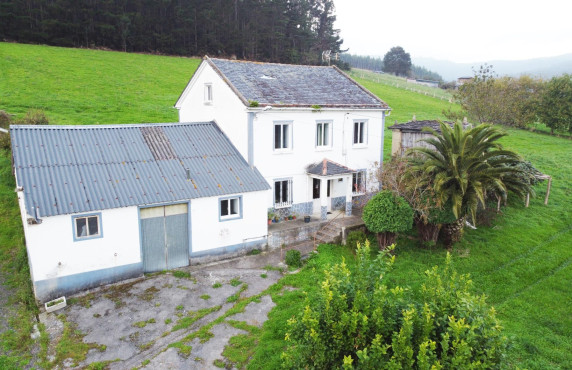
312	132
108	202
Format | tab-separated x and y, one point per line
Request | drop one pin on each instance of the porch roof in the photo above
327	167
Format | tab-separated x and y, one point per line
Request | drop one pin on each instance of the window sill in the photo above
324	148
283	151
208	103
229	218
359	146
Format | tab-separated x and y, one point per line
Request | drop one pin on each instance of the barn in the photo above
104	203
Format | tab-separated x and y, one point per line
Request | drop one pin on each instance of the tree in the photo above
387	214
397	61
357	320
466	163
555	107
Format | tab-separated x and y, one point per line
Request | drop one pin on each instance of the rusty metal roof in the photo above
290	85
73	169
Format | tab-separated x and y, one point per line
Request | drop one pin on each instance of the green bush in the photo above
357	321
355	237
293	258
387	214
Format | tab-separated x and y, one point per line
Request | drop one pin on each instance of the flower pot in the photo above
269	222
55	304
307	219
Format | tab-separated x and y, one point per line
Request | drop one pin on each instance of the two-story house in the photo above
312	132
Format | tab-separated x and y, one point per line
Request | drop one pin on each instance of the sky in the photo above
461	31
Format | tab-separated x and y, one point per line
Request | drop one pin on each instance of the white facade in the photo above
252	130
61	264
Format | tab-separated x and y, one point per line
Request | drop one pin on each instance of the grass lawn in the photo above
521	262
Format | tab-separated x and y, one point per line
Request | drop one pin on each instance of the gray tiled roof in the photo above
72	169
418	126
328	168
294	85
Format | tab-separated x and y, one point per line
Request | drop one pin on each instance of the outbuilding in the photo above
104	203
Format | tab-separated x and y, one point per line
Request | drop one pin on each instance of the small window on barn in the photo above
208	93
87	226
230	208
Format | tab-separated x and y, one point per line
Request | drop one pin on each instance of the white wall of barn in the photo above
53	253
208	232
226	108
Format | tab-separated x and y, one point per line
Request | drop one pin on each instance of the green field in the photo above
522	262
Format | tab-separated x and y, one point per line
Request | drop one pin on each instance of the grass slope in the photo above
522	262
77	86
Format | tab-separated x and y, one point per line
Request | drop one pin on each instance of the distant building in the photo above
429	83
463	80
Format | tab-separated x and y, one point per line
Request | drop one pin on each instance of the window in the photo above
87	226
208	93
282	135
360	132
230	208
323	134
358	182
282	193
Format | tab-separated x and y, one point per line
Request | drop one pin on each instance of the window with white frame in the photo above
282	135
208	93
87	226
282	193
230	208
358	182
360	132
323	134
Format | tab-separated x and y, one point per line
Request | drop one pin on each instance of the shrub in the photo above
293	258
387	214
34	117
355	237
357	321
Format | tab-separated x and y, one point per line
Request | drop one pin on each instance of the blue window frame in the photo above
87	226
230	208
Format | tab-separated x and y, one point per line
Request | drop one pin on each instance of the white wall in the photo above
53	253
207	232
226	108
278	164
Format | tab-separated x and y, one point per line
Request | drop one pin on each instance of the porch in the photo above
295	232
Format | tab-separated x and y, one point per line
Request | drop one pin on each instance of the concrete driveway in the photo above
155	322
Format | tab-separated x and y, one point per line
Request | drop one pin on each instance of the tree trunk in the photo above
385	239
452	233
427	232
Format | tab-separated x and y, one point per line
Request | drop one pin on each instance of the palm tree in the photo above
466	164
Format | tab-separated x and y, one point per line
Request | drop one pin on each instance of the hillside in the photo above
523	262
77	86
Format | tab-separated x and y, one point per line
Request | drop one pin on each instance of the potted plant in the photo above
276	219
55	304
307	219
270	217
290	217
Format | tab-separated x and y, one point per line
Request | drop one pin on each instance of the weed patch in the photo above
148	294
142	324
205	297
217	285
235	282
193	316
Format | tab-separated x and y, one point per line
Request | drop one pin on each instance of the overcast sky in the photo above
457	30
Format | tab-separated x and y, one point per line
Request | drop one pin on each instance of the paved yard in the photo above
155	322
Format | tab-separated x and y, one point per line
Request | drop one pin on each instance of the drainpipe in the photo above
250	140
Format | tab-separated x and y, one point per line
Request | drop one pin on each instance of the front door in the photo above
164	237
316	195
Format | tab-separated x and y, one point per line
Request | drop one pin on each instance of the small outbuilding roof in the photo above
328	168
290	85
418	126
73	169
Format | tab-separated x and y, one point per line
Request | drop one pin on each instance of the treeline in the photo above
287	31
376	64
516	102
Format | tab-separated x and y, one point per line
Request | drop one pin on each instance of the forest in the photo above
286	31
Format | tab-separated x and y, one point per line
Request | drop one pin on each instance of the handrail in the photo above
326	225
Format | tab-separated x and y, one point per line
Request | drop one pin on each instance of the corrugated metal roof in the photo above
328	168
73	169
418	126
294	85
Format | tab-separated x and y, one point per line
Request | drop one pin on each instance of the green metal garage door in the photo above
164	237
